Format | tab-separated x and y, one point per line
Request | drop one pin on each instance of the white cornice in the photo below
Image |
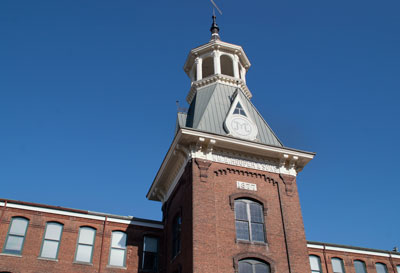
189	143
220	45
353	250
220	78
124	219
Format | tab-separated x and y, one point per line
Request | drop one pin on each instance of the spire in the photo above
214	29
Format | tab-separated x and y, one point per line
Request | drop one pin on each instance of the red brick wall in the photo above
349	258
29	262
214	236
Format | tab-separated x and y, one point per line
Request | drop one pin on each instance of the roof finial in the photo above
214	29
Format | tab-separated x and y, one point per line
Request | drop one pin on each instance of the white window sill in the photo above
47	259
116	267
12	255
82	263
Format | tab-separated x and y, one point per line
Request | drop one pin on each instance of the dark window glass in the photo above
176	235
249	218
150	254
239	110
253	266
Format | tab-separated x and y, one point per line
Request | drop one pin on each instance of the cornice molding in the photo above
218	78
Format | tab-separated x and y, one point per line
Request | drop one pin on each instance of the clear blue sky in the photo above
88	91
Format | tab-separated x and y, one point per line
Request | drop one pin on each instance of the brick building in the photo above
229	193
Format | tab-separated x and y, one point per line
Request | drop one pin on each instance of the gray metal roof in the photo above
210	107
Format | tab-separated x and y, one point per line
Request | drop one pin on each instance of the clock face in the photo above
241	126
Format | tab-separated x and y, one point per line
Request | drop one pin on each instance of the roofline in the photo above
354	249
80	213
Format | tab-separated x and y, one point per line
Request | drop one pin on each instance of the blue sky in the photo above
88	91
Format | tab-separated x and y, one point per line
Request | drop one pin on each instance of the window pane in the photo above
14	243
84	253
118	239
398	269
149	261
256	213
117	257
245	267
18	226
261	268
49	249
257	232
315	264
240	211
337	265
242	230
150	244
86	236
53	231
360	267
381	268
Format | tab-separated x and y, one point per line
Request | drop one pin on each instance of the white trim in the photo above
352	250
177	177
80	215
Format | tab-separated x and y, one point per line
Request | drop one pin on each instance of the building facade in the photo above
228	191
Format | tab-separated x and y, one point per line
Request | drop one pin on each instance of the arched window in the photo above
176	235
85	244
249	216
207	67
253	266
16	235
315	263
51	240
117	249
359	266
227	65
381	268
337	265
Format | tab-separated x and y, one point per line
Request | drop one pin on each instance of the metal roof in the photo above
210	107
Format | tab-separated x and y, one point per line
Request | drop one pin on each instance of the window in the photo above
359	266
118	249
398	269
253	266
381	268
226	65
207	67
150	254
249	218
84	249
239	110
315	263
51	240
16	236
176	235
337	265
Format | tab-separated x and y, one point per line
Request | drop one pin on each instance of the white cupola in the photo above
217	61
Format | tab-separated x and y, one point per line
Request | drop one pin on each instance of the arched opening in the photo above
208	67
227	65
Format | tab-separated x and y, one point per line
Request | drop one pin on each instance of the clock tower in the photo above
227	183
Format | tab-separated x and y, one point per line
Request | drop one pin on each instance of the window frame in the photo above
253	262
13	252
157	253
341	264
384	267
319	263
398	268
44	239
111	248
176	236
77	245
249	201
364	266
